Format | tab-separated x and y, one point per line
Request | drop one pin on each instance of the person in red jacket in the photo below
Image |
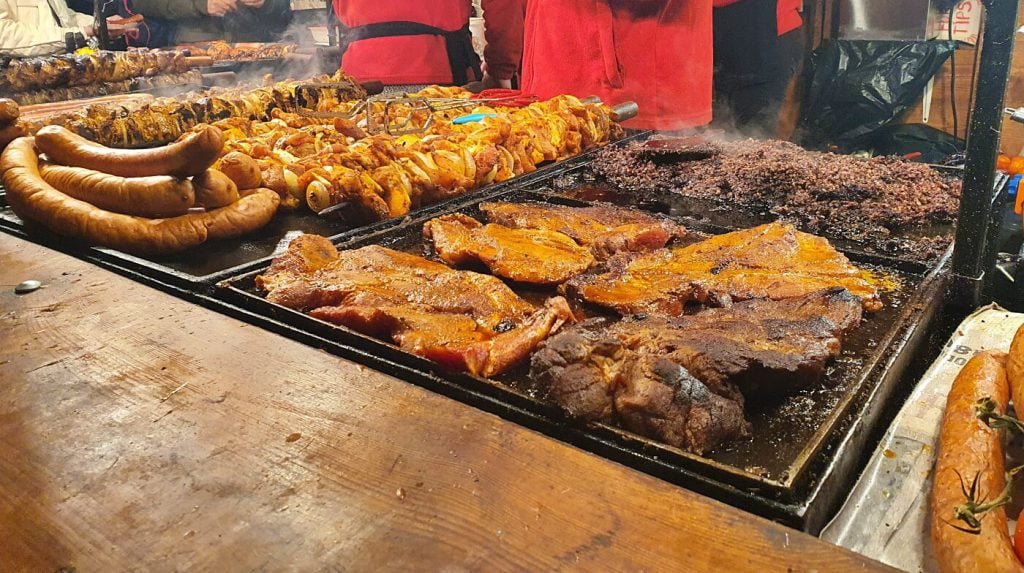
654	52
417	42
758	47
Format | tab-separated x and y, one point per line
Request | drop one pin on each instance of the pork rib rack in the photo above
463	320
682	380
772	261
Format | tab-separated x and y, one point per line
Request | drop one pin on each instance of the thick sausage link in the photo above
155	196
34	199
190	155
968	447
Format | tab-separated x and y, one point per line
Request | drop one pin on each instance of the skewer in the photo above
332	209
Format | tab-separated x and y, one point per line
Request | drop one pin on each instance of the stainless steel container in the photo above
885	19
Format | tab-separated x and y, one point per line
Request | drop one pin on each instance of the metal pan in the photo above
200	267
804	446
584	184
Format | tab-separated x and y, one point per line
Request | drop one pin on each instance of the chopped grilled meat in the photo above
682	380
606	230
770	261
463	320
871	201
523	255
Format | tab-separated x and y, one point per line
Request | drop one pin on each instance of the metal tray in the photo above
201	267
584	184
805	447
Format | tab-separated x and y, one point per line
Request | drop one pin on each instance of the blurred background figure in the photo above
417	42
758	48
654	52
41	27
190	21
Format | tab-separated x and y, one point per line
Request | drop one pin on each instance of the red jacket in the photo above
423	59
787	13
657	53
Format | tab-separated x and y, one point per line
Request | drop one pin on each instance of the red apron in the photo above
397	60
656	53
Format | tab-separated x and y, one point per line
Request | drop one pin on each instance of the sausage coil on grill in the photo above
32	198
190	155
969	449
155	196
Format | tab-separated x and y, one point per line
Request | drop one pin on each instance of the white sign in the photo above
966	22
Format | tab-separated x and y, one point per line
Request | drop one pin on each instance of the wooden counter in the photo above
139	431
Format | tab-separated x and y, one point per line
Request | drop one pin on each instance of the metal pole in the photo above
975	218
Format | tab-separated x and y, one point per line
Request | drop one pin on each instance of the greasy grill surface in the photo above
791	434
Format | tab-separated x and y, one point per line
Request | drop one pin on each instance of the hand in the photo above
489	82
253	3
218	8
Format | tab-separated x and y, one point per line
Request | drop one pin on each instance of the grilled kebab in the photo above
682	380
770	261
76	70
381	176
463	320
167	119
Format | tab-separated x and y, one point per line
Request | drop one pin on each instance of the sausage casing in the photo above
241	169
154	196
1015	371
34	199
968	447
190	155
214	189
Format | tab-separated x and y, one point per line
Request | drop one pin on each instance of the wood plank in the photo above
139	431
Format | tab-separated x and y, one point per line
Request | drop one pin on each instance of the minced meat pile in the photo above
878	202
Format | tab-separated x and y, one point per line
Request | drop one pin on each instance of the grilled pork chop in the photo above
464	320
605	230
682	380
524	255
771	261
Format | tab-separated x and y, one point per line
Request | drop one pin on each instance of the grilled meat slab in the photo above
772	261
464	320
605	230
524	255
682	380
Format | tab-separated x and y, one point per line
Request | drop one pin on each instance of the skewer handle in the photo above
625	110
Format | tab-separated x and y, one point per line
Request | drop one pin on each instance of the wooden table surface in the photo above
139	431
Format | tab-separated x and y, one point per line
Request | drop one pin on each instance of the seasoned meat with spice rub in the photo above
523	255
605	230
463	320
683	380
772	261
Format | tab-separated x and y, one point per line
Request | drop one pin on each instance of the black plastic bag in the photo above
916	141
857	86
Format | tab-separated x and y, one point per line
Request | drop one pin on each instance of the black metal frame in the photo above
972	255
